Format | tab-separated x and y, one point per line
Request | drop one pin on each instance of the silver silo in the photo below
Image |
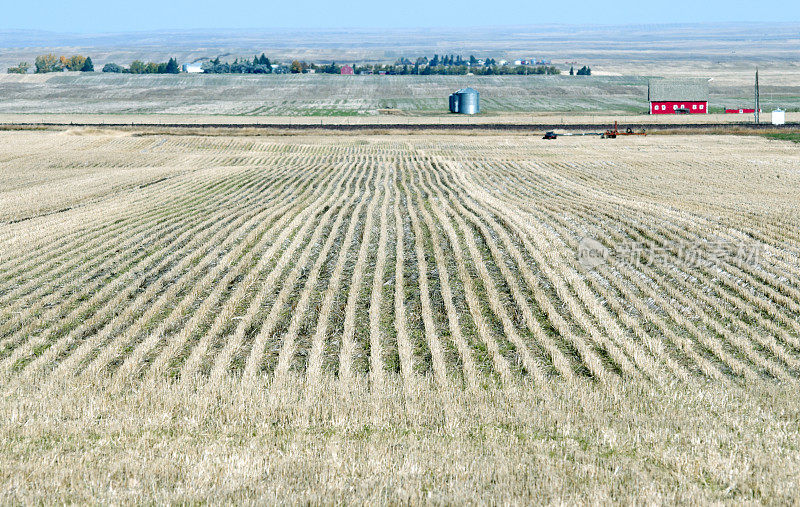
453	103
468	101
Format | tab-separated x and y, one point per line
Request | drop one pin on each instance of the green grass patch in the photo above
784	136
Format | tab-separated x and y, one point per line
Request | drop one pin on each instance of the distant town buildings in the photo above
531	61
192	68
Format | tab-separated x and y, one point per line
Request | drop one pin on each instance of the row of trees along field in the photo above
259	65
54	63
446	65
140	67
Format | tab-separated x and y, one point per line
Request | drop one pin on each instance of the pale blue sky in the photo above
94	16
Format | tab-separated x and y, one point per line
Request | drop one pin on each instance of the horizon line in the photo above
742	23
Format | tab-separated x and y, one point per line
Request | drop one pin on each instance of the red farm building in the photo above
742	111
347	70
678	96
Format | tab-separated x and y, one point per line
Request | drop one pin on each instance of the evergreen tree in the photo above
172	67
263	60
572	71
88	66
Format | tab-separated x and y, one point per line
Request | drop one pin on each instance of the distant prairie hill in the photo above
717	43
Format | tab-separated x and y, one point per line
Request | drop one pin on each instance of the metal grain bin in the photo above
468	101
453	103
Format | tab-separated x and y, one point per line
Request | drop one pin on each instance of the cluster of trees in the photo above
446	65
54	63
583	71
447	61
457	65
429	69
324	69
262	65
438	65
487	70
259	65
139	67
22	68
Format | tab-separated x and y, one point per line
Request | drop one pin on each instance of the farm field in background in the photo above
248	124
346	96
398	318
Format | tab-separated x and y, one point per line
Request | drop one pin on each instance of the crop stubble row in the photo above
270	259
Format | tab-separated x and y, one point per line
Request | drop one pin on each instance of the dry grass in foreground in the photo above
398	318
570	442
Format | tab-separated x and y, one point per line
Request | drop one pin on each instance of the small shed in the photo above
778	117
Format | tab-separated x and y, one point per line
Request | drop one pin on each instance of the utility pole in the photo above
757	98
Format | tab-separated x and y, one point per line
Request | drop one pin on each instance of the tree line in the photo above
140	67
258	65
446	65
54	63
423	66
79	63
448	61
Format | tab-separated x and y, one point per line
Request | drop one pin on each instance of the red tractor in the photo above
612	134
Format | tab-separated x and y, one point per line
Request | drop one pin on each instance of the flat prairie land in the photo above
319	95
439	121
371	318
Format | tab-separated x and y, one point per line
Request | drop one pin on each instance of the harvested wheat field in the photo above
439	319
